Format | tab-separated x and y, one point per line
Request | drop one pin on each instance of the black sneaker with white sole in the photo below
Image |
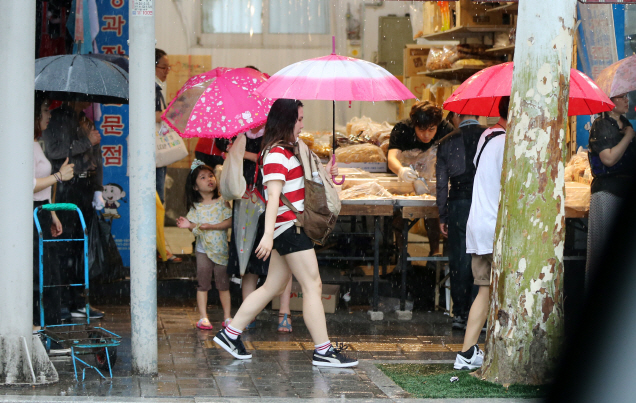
475	361
234	347
333	358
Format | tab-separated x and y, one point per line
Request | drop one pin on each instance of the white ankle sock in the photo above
232	333
323	348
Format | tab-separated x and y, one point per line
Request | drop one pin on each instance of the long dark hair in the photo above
192	195
40	99
280	123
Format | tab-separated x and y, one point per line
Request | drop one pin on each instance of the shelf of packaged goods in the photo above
465	32
501	50
457	73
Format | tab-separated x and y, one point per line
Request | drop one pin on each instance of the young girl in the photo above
290	252
208	218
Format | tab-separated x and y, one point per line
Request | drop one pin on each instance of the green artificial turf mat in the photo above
433	381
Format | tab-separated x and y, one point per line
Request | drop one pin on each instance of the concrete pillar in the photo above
22	356
141	157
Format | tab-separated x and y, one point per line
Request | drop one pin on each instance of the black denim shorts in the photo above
290	241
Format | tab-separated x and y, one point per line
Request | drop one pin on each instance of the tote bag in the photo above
232	183
170	147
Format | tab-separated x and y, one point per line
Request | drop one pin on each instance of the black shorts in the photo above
290	241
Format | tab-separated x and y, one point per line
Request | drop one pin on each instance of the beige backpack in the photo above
322	204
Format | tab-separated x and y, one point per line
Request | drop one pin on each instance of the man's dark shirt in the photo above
403	136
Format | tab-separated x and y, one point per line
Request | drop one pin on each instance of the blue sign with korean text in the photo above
113	126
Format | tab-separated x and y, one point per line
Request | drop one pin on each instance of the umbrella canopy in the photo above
335	78
81	78
480	94
118	60
619	78
219	105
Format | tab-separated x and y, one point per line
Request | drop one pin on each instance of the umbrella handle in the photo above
333	177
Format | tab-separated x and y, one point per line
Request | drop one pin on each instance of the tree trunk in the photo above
525	329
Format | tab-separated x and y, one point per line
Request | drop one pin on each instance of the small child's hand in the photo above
183	222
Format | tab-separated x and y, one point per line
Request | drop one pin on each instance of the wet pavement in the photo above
191	366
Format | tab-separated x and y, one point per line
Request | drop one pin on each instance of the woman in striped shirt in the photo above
290	250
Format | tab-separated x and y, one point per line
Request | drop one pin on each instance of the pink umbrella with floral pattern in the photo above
619	78
219	104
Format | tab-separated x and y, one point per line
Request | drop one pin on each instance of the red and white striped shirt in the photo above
281	164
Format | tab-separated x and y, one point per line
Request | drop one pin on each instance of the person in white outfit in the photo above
480	232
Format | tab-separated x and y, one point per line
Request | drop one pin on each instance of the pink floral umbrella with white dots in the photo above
220	105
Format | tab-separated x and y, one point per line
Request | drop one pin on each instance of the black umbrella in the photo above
118	60
81	78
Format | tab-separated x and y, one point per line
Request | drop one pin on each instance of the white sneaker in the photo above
475	361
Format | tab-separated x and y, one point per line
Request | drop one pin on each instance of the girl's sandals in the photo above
226	322
284	326
173	259
204	324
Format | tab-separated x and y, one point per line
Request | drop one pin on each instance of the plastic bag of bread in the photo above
469	62
322	144
385	147
368	190
422	162
435	59
307	138
360	153
443	58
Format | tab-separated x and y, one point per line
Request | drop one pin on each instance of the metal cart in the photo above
80	338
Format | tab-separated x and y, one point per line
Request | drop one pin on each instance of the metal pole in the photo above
141	157
404	255
376	260
17	63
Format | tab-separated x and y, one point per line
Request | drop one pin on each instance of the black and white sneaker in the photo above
475	361
234	347
333	358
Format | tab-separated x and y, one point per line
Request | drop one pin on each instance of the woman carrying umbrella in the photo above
612	157
290	252
43	180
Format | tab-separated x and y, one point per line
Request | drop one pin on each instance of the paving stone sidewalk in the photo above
192	369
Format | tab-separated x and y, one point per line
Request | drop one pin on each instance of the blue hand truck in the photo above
79	338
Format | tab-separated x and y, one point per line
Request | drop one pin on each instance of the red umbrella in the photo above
480	94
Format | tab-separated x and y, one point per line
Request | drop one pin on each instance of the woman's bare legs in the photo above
284	306
304	266
226	303
277	279
248	284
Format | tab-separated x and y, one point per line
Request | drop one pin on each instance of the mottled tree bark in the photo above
525	329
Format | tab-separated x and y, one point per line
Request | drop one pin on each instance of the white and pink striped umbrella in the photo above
335	78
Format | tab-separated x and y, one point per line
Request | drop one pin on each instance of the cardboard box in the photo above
468	13
417	85
415	59
330	297
432	18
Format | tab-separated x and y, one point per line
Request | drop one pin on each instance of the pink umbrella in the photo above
619	78
335	78
480	94
218	104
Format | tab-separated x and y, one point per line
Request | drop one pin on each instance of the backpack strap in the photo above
488	138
